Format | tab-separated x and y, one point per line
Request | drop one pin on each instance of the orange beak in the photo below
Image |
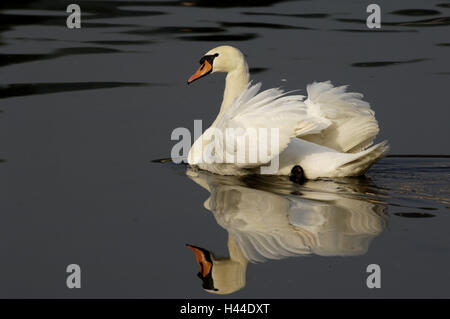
200	258
204	69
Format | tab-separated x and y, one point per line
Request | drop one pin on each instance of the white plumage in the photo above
268	223
328	134
351	124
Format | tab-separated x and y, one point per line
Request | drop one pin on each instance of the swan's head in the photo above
221	59
219	276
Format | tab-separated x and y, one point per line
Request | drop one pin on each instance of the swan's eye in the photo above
210	58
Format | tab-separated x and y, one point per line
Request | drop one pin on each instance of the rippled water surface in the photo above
84	112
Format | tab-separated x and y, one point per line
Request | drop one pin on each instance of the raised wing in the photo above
348	122
257	127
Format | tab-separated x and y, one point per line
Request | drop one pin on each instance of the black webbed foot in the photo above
297	176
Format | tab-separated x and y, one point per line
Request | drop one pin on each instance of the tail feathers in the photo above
349	124
362	161
311	126
332	102
357	134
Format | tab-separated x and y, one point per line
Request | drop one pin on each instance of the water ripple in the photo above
434	22
385	63
175	30
261	25
24	89
221	37
294	15
416	12
8	59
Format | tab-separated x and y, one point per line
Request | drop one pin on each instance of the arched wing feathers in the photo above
254	122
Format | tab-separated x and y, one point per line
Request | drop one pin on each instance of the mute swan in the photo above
328	218
221	275
326	135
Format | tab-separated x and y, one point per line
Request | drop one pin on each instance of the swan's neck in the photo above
235	82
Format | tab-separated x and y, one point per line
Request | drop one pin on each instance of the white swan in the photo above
268	222
327	135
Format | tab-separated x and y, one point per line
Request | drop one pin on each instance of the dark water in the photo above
83	112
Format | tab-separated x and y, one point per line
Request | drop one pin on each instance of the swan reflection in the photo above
271	218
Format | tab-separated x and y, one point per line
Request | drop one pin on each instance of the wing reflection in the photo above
271	218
